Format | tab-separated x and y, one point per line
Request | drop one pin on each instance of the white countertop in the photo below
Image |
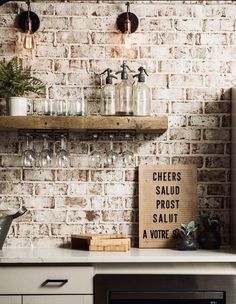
61	255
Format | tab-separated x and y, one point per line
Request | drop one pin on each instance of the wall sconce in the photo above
29	23
127	23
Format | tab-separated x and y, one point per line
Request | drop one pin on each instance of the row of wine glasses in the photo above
98	157
110	157
45	157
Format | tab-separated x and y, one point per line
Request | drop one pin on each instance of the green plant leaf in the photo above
17	81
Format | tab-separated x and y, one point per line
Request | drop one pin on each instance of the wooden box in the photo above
100	242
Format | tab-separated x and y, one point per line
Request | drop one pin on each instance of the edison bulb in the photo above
127	40
29	41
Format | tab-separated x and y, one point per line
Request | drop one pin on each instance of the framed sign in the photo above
167	199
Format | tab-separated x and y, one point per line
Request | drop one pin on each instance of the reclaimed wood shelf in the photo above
150	124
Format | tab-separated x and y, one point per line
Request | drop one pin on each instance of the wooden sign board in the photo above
167	199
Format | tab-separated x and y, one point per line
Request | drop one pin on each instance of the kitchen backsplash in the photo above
189	50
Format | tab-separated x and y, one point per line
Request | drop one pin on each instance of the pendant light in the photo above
29	23
127	23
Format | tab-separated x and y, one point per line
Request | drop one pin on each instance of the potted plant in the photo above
209	237
185	239
15	83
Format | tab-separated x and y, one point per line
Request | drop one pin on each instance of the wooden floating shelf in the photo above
150	124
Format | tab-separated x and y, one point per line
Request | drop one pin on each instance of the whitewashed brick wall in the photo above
189	50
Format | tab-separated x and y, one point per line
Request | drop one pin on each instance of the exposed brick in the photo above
211	175
198	161
211	203
188	25
51	51
218	162
66	229
217	107
16	189
204	121
167	94
10	175
87	51
120	188
155	24
187	107
173	148
182	66
185	133
85	188
72	175
217	134
71	202
203	148
49	216
226	121
38	175
47	189
120	52
54	23
78	216
213	39
108	175
218	189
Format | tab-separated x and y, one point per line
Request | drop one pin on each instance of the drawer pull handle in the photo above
54	283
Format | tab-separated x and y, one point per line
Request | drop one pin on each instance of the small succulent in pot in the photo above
15	83
185	239
209	236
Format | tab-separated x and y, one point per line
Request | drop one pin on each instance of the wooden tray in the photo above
100	242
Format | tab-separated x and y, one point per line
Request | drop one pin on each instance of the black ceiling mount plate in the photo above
22	20
121	22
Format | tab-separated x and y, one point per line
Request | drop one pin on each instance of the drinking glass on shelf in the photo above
63	160
127	155
111	156
95	155
46	155
28	155
49	107
78	107
62	108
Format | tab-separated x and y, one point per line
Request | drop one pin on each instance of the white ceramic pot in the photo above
17	106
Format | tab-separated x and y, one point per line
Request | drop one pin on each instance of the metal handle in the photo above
54	283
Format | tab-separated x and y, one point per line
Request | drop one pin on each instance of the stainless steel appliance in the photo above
164	289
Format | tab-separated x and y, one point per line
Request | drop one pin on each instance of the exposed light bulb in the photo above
127	40
29	41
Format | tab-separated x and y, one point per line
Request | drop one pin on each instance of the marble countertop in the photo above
61	255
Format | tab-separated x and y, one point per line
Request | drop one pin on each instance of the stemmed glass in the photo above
95	155
127	155
63	160
28	155
111	155
46	154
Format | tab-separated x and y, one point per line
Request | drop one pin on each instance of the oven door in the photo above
164	289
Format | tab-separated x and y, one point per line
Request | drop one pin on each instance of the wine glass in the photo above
46	153
95	155
28	155
111	155
127	155
63	160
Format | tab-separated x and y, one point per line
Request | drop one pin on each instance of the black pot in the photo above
187	243
5	224
209	239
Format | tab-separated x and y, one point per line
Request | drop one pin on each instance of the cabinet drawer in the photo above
10	299
46	280
62	299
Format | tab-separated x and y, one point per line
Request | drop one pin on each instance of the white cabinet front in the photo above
57	299
10	299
